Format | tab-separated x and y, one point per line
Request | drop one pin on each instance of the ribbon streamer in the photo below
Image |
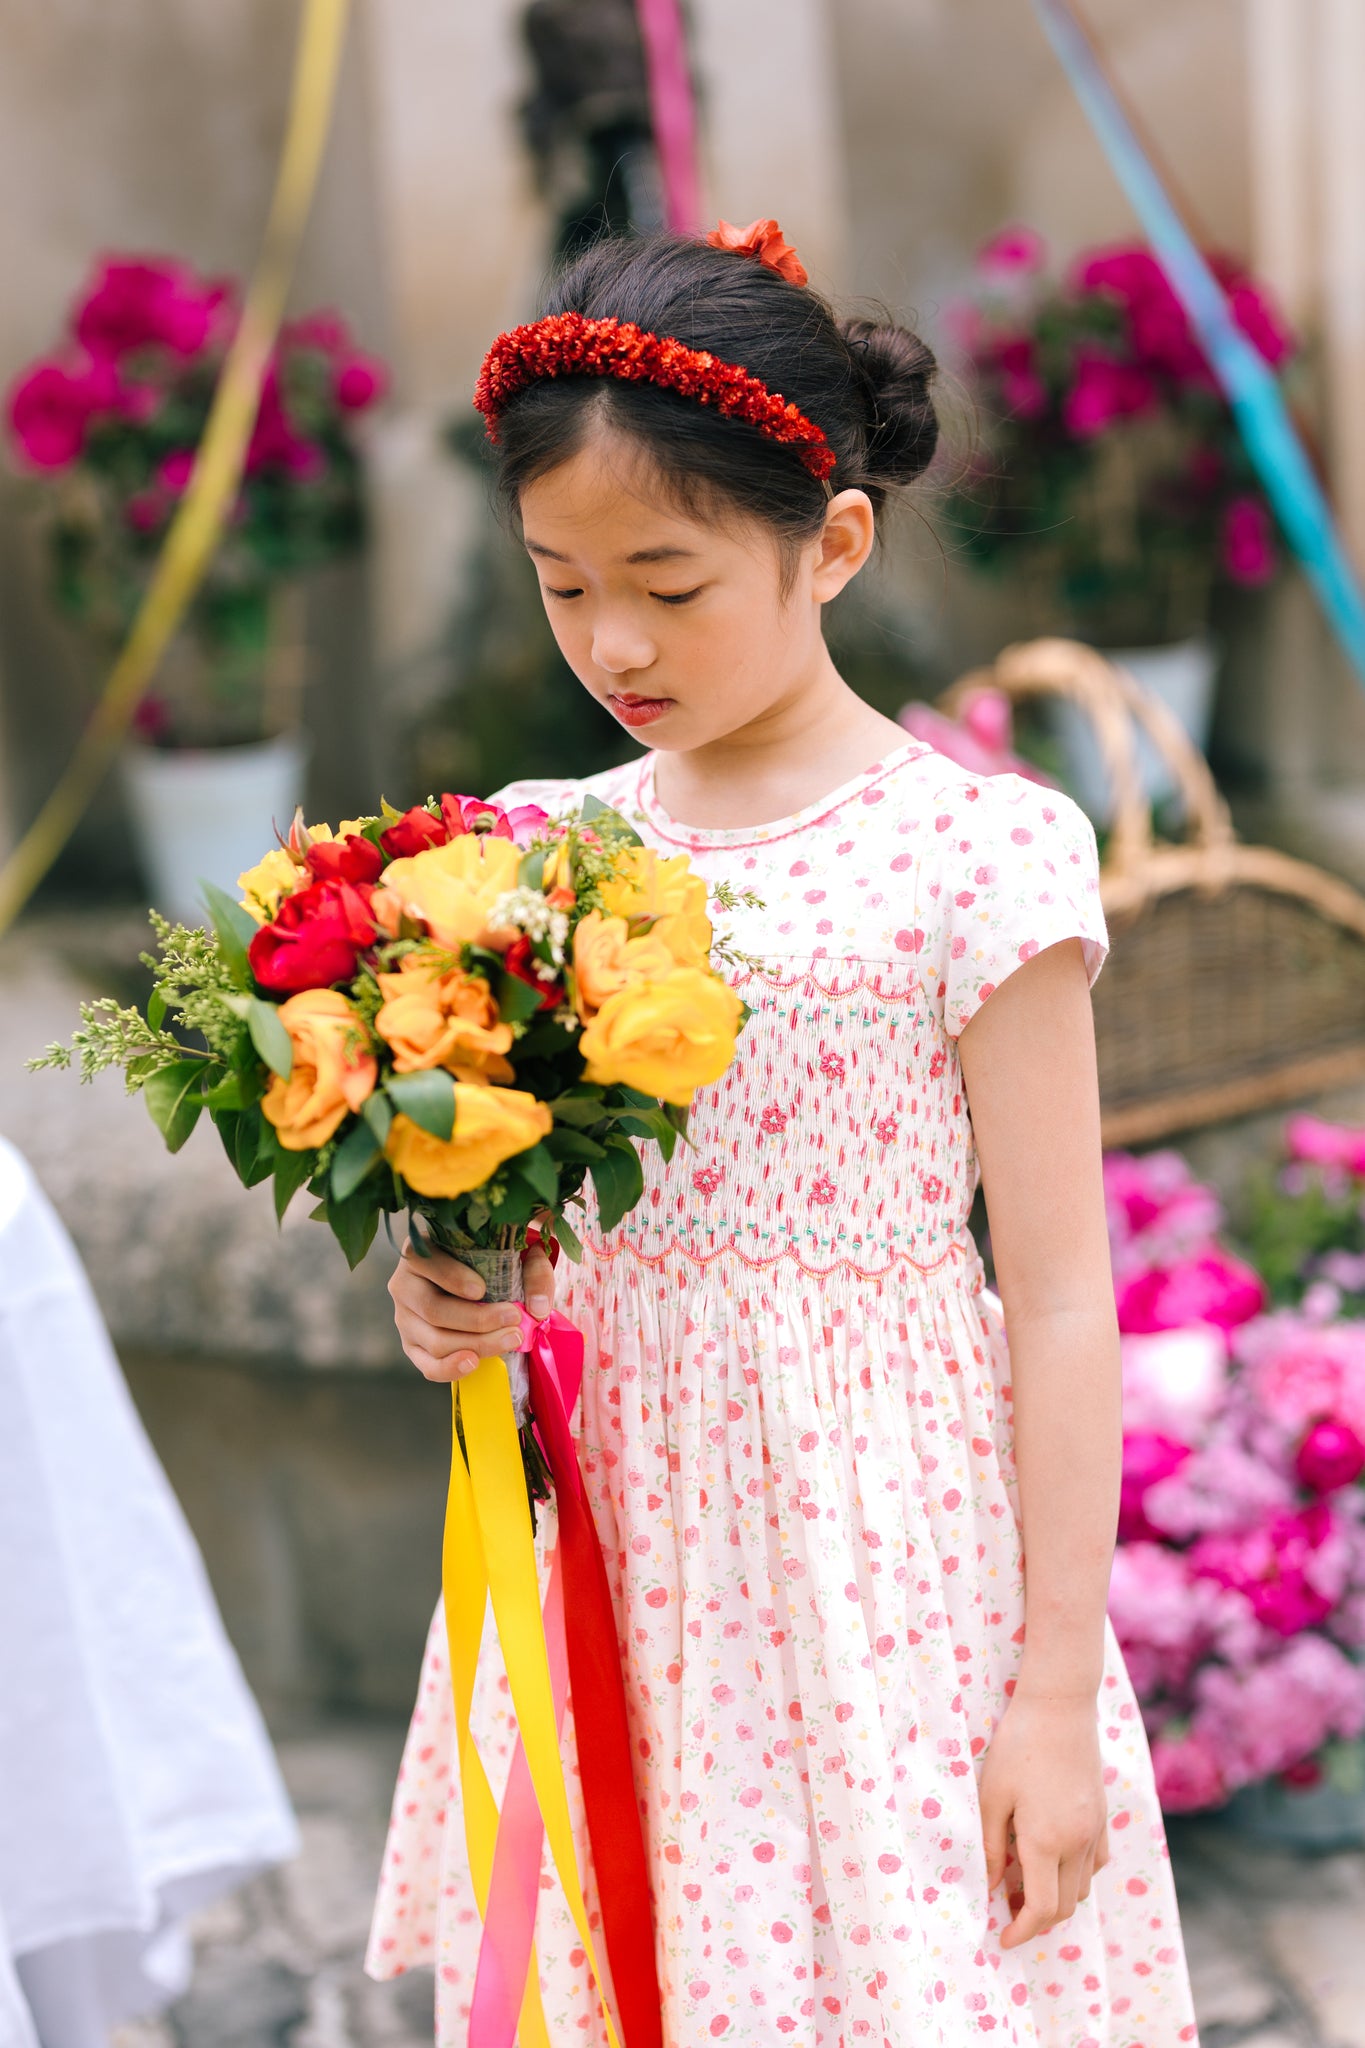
672	111
1258	407
198	524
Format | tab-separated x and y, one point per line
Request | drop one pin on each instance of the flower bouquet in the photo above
457	1012
1238	1590
1112	476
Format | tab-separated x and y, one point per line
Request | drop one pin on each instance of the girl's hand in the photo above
1042	1781
444	1322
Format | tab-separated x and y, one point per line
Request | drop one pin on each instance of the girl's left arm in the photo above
1028	1062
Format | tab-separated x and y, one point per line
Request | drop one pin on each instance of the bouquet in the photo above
1238	1590
1112	474
109	423
458	1012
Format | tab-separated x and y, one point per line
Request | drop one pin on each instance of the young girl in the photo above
892	1777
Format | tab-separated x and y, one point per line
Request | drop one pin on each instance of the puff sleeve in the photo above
1010	869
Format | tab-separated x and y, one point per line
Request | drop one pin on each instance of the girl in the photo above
894	1783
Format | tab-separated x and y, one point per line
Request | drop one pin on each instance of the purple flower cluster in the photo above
1239	1585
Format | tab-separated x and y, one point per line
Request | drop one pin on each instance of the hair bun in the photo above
895	369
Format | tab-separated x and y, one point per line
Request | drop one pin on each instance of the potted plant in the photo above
108	424
1110	481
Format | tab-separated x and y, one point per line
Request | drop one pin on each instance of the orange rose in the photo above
451	889
334	1069
491	1125
667	1037
606	959
435	1018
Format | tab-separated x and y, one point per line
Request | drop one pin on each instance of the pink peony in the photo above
1293	1568
1248	542
1189	1772
359	382
477	814
1226	1485
1212	1288
1330	1456
51	406
1316	1143
1174	1381
1301	1373
1267	1719
1147	1457
1169	1621
1014	251
1104	391
140	305
1158	1212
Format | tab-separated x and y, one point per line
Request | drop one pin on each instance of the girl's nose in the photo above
619	646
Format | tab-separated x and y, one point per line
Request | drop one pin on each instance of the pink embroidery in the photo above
706	1179
832	1066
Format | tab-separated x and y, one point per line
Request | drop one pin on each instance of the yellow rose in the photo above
262	886
645	886
452	888
687	935
491	1124
606	959
666	1037
436	1018
334	1069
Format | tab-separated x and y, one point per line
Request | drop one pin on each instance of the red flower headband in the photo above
571	345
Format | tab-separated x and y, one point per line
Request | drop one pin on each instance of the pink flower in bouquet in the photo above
1331	1455
1158	1212
1189	1771
1267	1719
1213	1288
477	814
1293	1568
51	406
1147	1457
1013	251
1104	390
1174	1381
1314	1142
138	305
1248	542
359	382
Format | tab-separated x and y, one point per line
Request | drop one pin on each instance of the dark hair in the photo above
865	383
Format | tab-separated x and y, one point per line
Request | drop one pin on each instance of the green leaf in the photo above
578	1109
226	1094
517	1000
427	1099
607	821
544	1040
353	1224
269	1037
175	1096
567	1236
236	928
537	1167
378	1114
562	1144
156	1009
292	1171
619	1181
356	1154
531	873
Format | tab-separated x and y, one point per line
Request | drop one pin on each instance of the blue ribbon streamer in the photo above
1263	420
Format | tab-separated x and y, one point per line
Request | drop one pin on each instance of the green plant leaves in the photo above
353	1224
567	1237
174	1095
427	1099
538	1169
269	1037
357	1153
293	1170
608	822
235	927
517	1000
619	1180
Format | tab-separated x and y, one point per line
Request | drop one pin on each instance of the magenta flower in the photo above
1158	1212
1248	542
176	470
1189	1774
1267	1719
275	443
1293	1569
1302	1373
1013	251
1331	1455
1148	1456
1104	390
476	814
324	330
51	406
141	305
1317	1143
359	382
145	511
1212	1288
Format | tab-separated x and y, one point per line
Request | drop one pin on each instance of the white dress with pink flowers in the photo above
796	1430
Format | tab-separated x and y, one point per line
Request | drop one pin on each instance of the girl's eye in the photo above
676	597
550	592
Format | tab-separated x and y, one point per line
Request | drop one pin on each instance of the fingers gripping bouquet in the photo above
458	1011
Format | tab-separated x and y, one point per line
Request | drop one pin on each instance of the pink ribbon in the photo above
672	111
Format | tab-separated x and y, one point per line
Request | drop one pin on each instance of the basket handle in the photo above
1113	700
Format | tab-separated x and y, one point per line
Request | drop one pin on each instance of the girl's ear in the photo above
845	544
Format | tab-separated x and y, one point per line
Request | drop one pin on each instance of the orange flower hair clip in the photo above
764	239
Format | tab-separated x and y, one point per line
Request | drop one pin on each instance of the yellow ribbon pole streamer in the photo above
491	1515
198	524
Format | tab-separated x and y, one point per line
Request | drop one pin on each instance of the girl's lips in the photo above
632	710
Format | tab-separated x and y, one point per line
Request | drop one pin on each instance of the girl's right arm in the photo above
445	1324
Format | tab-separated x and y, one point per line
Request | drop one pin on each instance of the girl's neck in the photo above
812	741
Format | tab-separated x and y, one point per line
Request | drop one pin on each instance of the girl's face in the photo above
681	626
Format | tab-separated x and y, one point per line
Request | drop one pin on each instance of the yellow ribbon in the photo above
195	531
489	1547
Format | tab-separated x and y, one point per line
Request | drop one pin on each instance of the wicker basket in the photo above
1237	977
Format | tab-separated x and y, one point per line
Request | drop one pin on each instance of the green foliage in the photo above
426	1099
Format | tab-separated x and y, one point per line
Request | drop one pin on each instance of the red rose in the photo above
316	939
352	859
522	963
413	833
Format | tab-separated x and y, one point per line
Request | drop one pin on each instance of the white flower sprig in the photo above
525	910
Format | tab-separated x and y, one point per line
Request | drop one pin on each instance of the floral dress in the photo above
796	1432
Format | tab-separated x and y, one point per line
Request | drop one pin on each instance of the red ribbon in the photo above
555	1359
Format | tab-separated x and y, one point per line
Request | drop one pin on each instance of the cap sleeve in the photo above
1011	870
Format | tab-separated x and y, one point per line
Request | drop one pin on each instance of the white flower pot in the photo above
1183	677
205	815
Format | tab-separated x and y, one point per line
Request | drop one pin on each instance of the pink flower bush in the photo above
1238	1588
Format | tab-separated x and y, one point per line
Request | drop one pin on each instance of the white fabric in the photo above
136	1779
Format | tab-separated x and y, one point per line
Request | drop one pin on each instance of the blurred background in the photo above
367	626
